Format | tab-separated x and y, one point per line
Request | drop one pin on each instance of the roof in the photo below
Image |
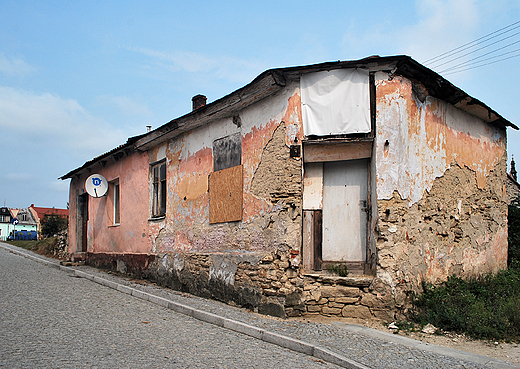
41	212
117	152
513	180
273	80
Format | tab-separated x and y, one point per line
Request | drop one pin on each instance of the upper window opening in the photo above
336	102
159	189
227	152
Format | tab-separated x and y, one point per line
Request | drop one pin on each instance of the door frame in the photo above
322	151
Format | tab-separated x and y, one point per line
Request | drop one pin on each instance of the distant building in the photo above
513	187
26	221
39	213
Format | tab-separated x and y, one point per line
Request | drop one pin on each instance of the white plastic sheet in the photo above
335	102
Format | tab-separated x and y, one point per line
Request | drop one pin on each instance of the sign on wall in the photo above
96	185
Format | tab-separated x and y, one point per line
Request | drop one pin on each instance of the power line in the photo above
482	48
452	55
478	57
481	65
467	45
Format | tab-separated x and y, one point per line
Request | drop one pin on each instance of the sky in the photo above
78	78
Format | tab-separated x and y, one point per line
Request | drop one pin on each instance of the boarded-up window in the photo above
226	182
225	195
336	102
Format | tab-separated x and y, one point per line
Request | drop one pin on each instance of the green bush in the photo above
513	220
484	308
52	224
487	307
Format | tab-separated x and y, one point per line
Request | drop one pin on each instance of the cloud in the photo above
15	67
432	28
51	121
224	67
126	105
442	25
59	186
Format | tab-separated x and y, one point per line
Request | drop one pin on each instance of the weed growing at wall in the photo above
486	307
338	269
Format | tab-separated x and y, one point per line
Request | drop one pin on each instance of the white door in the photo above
345	193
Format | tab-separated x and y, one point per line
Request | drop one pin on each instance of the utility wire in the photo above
476	58
467	45
481	65
451	56
481	48
456	69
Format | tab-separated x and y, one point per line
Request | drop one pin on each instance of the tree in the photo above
514	232
52	224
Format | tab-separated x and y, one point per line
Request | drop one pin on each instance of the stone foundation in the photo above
267	284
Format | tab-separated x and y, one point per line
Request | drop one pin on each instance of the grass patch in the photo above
28	245
45	247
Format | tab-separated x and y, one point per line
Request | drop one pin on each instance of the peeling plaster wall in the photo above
217	260
418	141
441	194
131	235
272	183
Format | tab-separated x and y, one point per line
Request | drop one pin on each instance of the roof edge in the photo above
273	80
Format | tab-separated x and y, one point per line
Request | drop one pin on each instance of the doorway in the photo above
82	223
345	211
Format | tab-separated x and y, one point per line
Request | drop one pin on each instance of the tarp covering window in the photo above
335	102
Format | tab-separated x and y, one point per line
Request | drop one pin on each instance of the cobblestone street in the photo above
62	317
51	319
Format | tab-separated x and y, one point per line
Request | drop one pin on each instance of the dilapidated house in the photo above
264	197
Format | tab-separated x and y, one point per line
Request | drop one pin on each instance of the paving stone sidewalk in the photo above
347	345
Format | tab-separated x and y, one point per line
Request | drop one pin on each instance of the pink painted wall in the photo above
131	235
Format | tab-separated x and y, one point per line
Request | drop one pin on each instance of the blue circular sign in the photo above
15	221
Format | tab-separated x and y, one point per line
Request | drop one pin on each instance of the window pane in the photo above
163	197
116	204
163	171
155	174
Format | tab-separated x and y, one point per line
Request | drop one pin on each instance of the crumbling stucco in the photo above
277	177
271	200
456	228
417	141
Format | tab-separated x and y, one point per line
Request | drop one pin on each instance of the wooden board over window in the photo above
225	195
